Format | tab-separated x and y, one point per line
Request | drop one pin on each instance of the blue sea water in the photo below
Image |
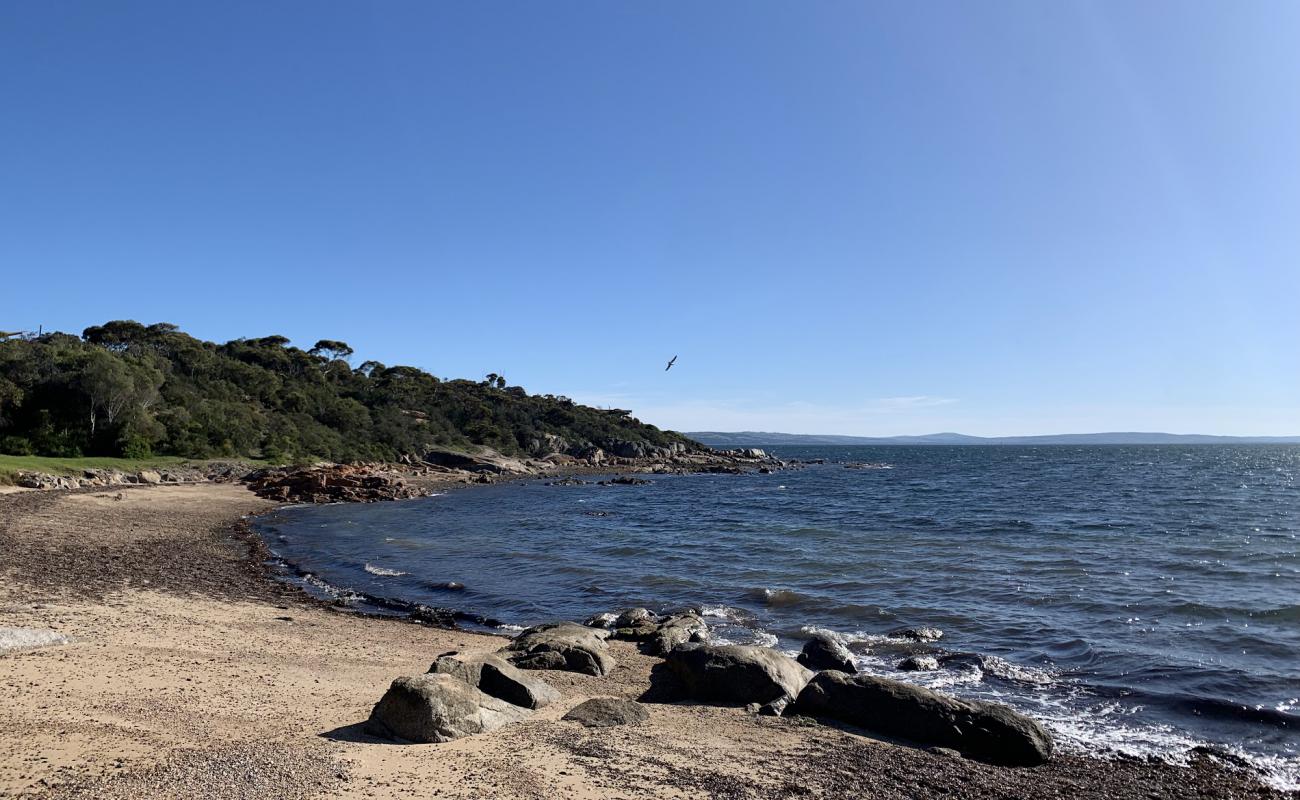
1139	600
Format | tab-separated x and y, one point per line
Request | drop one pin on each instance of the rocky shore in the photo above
180	669
412	477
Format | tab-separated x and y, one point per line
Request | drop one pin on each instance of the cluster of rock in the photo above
462	697
100	478
656	635
773	683
334	483
455	698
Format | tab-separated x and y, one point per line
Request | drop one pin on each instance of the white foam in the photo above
29	638
383	571
719	612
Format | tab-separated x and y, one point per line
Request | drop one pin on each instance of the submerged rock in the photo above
986	731
563	646
499	678
826	652
737	673
438	708
605	712
919	664
923	634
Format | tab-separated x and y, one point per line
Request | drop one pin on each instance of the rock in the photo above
351	483
563	645
918	664
606	712
774	708
946	752
149	476
625	480
987	731
825	652
917	634
737	673
438	708
602	620
635	616
674	631
497	677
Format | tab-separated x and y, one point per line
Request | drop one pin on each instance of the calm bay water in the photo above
1138	599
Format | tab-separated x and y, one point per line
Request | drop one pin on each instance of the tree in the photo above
331	349
116	387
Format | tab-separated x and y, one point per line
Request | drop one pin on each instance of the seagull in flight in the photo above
670	363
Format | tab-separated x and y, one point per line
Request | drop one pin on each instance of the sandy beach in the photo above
189	673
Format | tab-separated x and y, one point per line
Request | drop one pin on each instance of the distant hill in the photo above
759	439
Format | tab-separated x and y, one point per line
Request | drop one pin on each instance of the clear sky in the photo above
844	217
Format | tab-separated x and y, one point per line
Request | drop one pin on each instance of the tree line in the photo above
134	390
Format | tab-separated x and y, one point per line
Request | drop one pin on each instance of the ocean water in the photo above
1139	600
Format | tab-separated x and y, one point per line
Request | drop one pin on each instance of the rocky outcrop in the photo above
606	712
497	677
563	646
737	673
335	483
825	652
438	708
985	731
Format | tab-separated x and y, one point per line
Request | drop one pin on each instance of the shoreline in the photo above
190	657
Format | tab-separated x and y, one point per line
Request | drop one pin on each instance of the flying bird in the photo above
670	363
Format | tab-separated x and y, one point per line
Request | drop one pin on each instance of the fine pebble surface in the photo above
1139	600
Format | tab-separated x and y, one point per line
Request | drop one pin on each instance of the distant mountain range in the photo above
758	439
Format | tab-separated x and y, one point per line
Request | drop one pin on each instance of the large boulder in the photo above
438	708
606	712
986	731
825	652
499	678
561	645
737	673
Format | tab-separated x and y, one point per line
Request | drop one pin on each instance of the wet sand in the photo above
192	674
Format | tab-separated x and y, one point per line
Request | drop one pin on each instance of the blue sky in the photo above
844	217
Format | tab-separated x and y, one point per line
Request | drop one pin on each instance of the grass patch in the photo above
10	466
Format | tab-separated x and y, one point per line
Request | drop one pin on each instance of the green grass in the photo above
10	466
